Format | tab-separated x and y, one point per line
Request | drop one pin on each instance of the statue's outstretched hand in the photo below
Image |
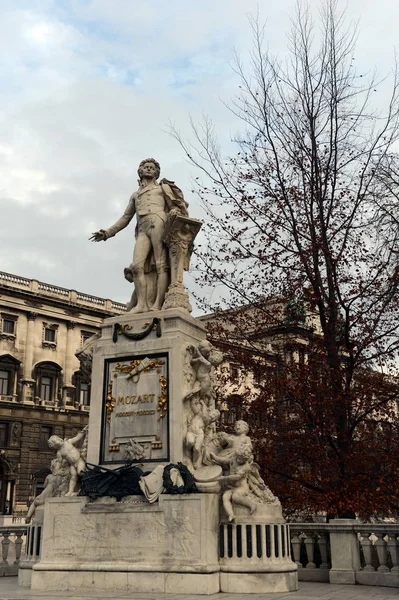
98	236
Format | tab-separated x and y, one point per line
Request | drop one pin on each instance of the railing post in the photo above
18	547
367	546
393	547
296	541
310	545
322	541
345	556
5	544
381	546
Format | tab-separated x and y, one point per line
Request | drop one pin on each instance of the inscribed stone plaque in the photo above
135	409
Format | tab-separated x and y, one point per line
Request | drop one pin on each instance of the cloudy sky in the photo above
88	88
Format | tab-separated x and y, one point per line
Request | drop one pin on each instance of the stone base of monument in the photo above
255	552
145	375
130	546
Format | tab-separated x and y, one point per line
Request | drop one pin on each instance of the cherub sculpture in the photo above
238	490
71	451
53	486
203	417
229	443
203	360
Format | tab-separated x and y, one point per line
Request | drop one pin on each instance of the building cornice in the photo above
34	292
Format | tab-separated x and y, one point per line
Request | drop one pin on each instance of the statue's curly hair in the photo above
148	160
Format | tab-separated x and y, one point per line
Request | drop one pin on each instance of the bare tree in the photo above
306	210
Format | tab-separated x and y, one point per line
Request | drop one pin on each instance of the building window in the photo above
5	378
234	371
48	381
8	326
8	374
84	394
49	335
3	435
82	385
45	434
46	388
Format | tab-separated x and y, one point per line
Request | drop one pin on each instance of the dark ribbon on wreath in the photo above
99	481
119	330
188	487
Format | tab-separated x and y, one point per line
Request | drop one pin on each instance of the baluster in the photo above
233	540
32	542
280	541
251	541
225	541
262	541
393	547
322	541
366	545
5	544
272	544
296	541
27	543
18	547
309	544
381	546
244	541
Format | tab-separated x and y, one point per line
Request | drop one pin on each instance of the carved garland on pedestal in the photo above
119	330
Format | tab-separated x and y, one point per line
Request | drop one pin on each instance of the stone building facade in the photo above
42	390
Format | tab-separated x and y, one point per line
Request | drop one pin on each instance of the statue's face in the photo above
149	170
240	427
55	442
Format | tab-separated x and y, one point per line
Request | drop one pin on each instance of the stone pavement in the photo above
9	590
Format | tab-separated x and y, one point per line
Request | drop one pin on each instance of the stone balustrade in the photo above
248	542
345	551
11	547
54	291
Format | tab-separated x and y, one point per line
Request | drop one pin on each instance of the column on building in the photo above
69	389
27	381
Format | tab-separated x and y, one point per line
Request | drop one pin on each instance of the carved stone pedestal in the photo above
130	546
149	371
138	387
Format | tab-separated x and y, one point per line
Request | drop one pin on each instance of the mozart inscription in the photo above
135	410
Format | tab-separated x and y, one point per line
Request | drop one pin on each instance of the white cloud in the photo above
88	88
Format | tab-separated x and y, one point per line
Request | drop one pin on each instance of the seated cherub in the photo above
237	480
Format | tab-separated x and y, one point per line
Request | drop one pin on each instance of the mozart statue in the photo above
155	205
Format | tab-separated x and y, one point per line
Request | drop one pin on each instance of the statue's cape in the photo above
174	196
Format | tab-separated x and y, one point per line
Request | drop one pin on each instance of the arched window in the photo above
82	385
7	485
8	376
47	376
232	410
